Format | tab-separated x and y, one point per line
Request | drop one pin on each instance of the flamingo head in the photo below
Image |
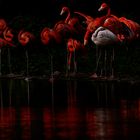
64	10
85	42
24	37
103	7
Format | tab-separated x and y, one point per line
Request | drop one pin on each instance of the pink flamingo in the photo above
73	21
5	38
73	42
109	23
51	39
70	27
73	45
24	37
8	36
133	26
49	35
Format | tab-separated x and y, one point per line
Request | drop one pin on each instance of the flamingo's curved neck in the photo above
98	30
103	18
108	12
68	17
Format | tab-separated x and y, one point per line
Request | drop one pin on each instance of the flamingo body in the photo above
133	26
24	37
49	35
8	35
105	40
104	37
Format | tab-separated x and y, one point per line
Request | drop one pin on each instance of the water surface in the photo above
69	109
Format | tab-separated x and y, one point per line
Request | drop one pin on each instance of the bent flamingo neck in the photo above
68	16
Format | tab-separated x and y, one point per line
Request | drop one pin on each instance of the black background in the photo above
50	9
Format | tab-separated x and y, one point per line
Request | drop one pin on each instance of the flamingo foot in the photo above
94	76
73	74
51	80
10	75
111	77
27	79
66	75
55	75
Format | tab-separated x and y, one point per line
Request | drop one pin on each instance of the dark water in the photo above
69	110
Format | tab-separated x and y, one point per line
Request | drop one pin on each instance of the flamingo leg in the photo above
105	62
10	92
52	67
9	61
97	49
75	64
27	62
28	92
112	63
69	62
67	65
98	60
1	103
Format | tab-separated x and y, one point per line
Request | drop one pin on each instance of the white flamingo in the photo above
105	40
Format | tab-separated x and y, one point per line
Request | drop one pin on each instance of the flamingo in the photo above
70	27
65	30
110	22
73	45
76	31
105	40
51	39
4	39
130	30
74	22
24	37
8	36
68	20
50	36
133	26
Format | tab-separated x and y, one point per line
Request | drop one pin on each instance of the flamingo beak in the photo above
100	9
62	12
85	42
